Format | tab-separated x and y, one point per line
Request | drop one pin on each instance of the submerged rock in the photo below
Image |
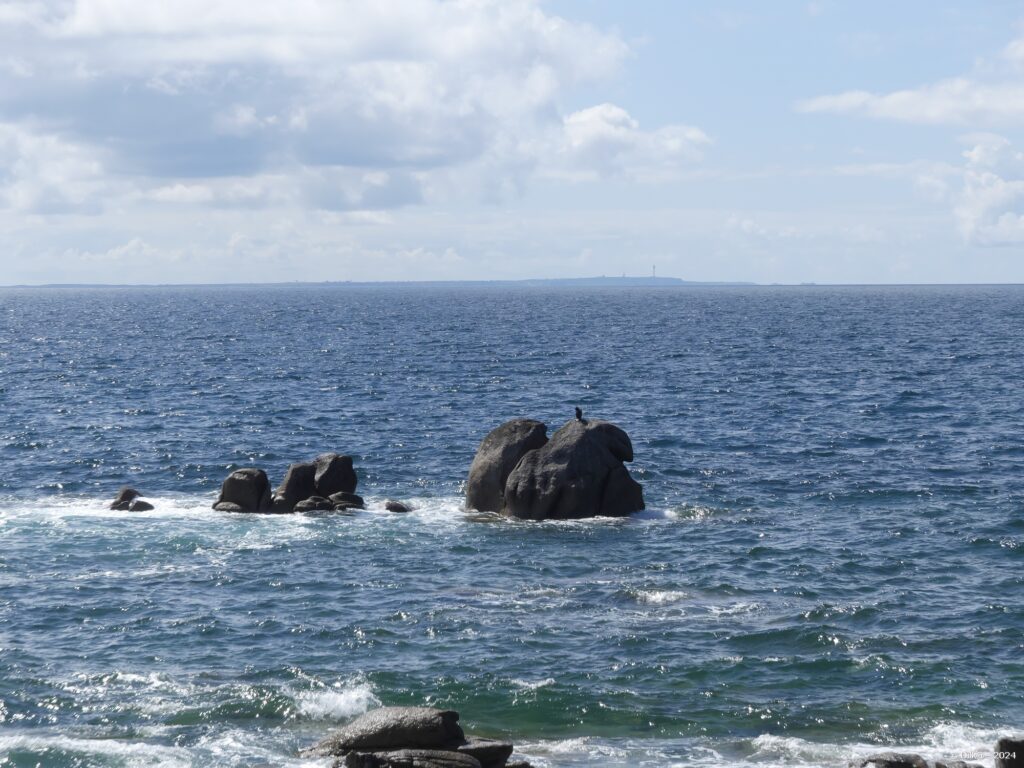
495	459
299	483
409	758
579	472
396	506
394	728
334	474
244	490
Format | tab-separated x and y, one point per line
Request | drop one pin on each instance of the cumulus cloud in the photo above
990	207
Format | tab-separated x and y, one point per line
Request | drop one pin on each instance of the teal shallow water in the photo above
830	559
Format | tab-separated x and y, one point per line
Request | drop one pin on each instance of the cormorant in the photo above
579	414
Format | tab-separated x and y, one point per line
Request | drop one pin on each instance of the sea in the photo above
831	561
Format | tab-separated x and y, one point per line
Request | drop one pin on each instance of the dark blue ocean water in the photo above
831	557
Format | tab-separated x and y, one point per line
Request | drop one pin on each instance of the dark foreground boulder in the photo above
579	472
244	490
396	506
346	500
299	483
334	474
495	459
490	752
409	758
394	728
894	760
314	504
1010	753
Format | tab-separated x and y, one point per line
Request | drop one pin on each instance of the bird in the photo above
579	414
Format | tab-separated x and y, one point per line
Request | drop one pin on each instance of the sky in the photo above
209	141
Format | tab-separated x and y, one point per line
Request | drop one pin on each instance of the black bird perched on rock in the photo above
579	414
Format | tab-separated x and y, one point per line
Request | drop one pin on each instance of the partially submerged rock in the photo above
490	752
497	456
334	474
394	728
244	490
314	504
894	760
127	500
396	506
347	500
299	484
579	472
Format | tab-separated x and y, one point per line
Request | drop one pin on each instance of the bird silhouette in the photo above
579	414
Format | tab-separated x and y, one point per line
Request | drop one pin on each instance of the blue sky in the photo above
222	140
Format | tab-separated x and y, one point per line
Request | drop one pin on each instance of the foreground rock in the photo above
894	760
411	737
244	490
497	456
127	499
1010	753
391	728
396	506
579	472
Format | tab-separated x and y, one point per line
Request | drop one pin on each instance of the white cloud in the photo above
990	207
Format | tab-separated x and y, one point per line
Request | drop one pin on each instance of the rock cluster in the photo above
1009	753
326	483
412	737
579	472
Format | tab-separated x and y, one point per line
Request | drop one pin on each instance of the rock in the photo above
391	728
490	752
1009	753
124	498
334	474
314	503
894	760
352	500
518	764
409	758
299	483
495	459
138	505
956	764
578	473
244	490
396	506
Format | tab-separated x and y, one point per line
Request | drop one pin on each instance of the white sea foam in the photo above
87	751
660	596
337	702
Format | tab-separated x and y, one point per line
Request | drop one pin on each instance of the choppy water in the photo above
831	558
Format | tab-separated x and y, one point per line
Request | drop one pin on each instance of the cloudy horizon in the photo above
222	141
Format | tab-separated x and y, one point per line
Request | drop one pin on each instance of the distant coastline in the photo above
558	282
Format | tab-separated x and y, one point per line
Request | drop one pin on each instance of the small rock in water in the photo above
351	500
124	498
314	504
396	506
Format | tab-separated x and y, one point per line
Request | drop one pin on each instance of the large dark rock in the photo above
409	758
299	483
334	474
490	752
244	490
1010	753
579	472
391	728
894	760
495	459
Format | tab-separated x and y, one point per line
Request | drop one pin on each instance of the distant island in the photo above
623	281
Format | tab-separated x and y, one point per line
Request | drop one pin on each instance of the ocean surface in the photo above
832	557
